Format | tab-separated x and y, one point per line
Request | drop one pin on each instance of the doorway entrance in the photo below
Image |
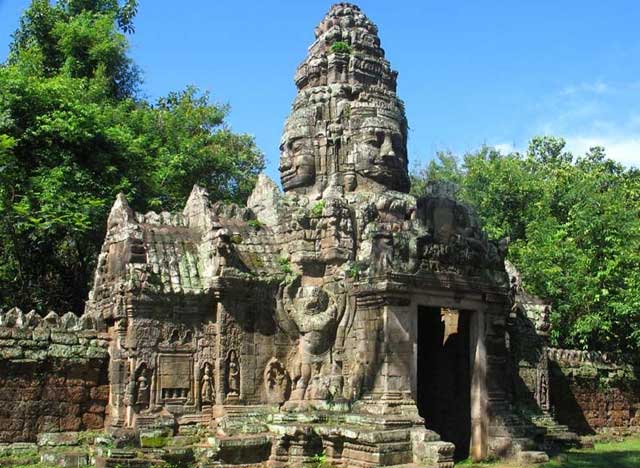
444	375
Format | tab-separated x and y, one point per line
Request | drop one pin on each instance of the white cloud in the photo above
597	87
624	149
592	114
505	148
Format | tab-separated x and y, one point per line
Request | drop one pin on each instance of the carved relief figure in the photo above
277	382
382	253
311	315
233	374
542	384
207	392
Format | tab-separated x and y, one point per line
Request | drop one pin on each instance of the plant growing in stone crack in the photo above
340	47
285	265
255	224
355	270
319	460
346	113
318	208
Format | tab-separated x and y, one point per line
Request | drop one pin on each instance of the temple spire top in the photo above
347	131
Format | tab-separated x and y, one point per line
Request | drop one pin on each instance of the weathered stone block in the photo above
55	439
65	459
92	421
99	393
11	353
532	458
63	337
70	423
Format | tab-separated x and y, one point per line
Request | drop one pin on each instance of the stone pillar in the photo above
399	338
479	397
388	335
220	371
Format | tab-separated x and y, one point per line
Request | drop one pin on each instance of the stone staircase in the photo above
556	435
511	434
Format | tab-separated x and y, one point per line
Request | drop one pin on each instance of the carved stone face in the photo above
312	300
297	161
380	152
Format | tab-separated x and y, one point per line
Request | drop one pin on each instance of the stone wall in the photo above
53	375
589	392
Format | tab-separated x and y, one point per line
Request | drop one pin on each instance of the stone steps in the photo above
558	434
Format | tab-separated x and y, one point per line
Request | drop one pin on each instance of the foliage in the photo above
340	47
285	265
355	270
319	460
574	225
74	133
255	224
318	208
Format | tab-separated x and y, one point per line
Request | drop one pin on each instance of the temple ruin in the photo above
341	317
334	316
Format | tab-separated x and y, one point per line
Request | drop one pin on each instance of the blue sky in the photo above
471	72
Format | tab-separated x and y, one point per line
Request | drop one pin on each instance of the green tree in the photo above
74	133
574	224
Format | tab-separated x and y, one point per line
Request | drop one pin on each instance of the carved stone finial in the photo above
196	212
121	213
264	199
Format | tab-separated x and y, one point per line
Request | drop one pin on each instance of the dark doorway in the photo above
444	375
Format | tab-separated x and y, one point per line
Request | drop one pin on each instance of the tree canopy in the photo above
574	225
74	132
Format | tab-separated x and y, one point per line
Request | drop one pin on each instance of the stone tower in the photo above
347	130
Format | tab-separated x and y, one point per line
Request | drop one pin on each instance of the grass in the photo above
624	454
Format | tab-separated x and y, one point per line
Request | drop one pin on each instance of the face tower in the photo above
347	131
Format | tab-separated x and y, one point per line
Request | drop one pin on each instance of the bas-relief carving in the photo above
363	148
233	376
207	387
310	315
277	382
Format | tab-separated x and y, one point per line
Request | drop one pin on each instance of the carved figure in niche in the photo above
188	337
542	387
311	315
175	336
233	374
143	391
543	324
382	253
207	392
277	382
222	249
137	392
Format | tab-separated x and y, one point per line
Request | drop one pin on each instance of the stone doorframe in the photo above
400	324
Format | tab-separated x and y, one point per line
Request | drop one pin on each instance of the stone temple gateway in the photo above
343	316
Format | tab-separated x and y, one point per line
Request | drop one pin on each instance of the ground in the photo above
619	454
623	453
